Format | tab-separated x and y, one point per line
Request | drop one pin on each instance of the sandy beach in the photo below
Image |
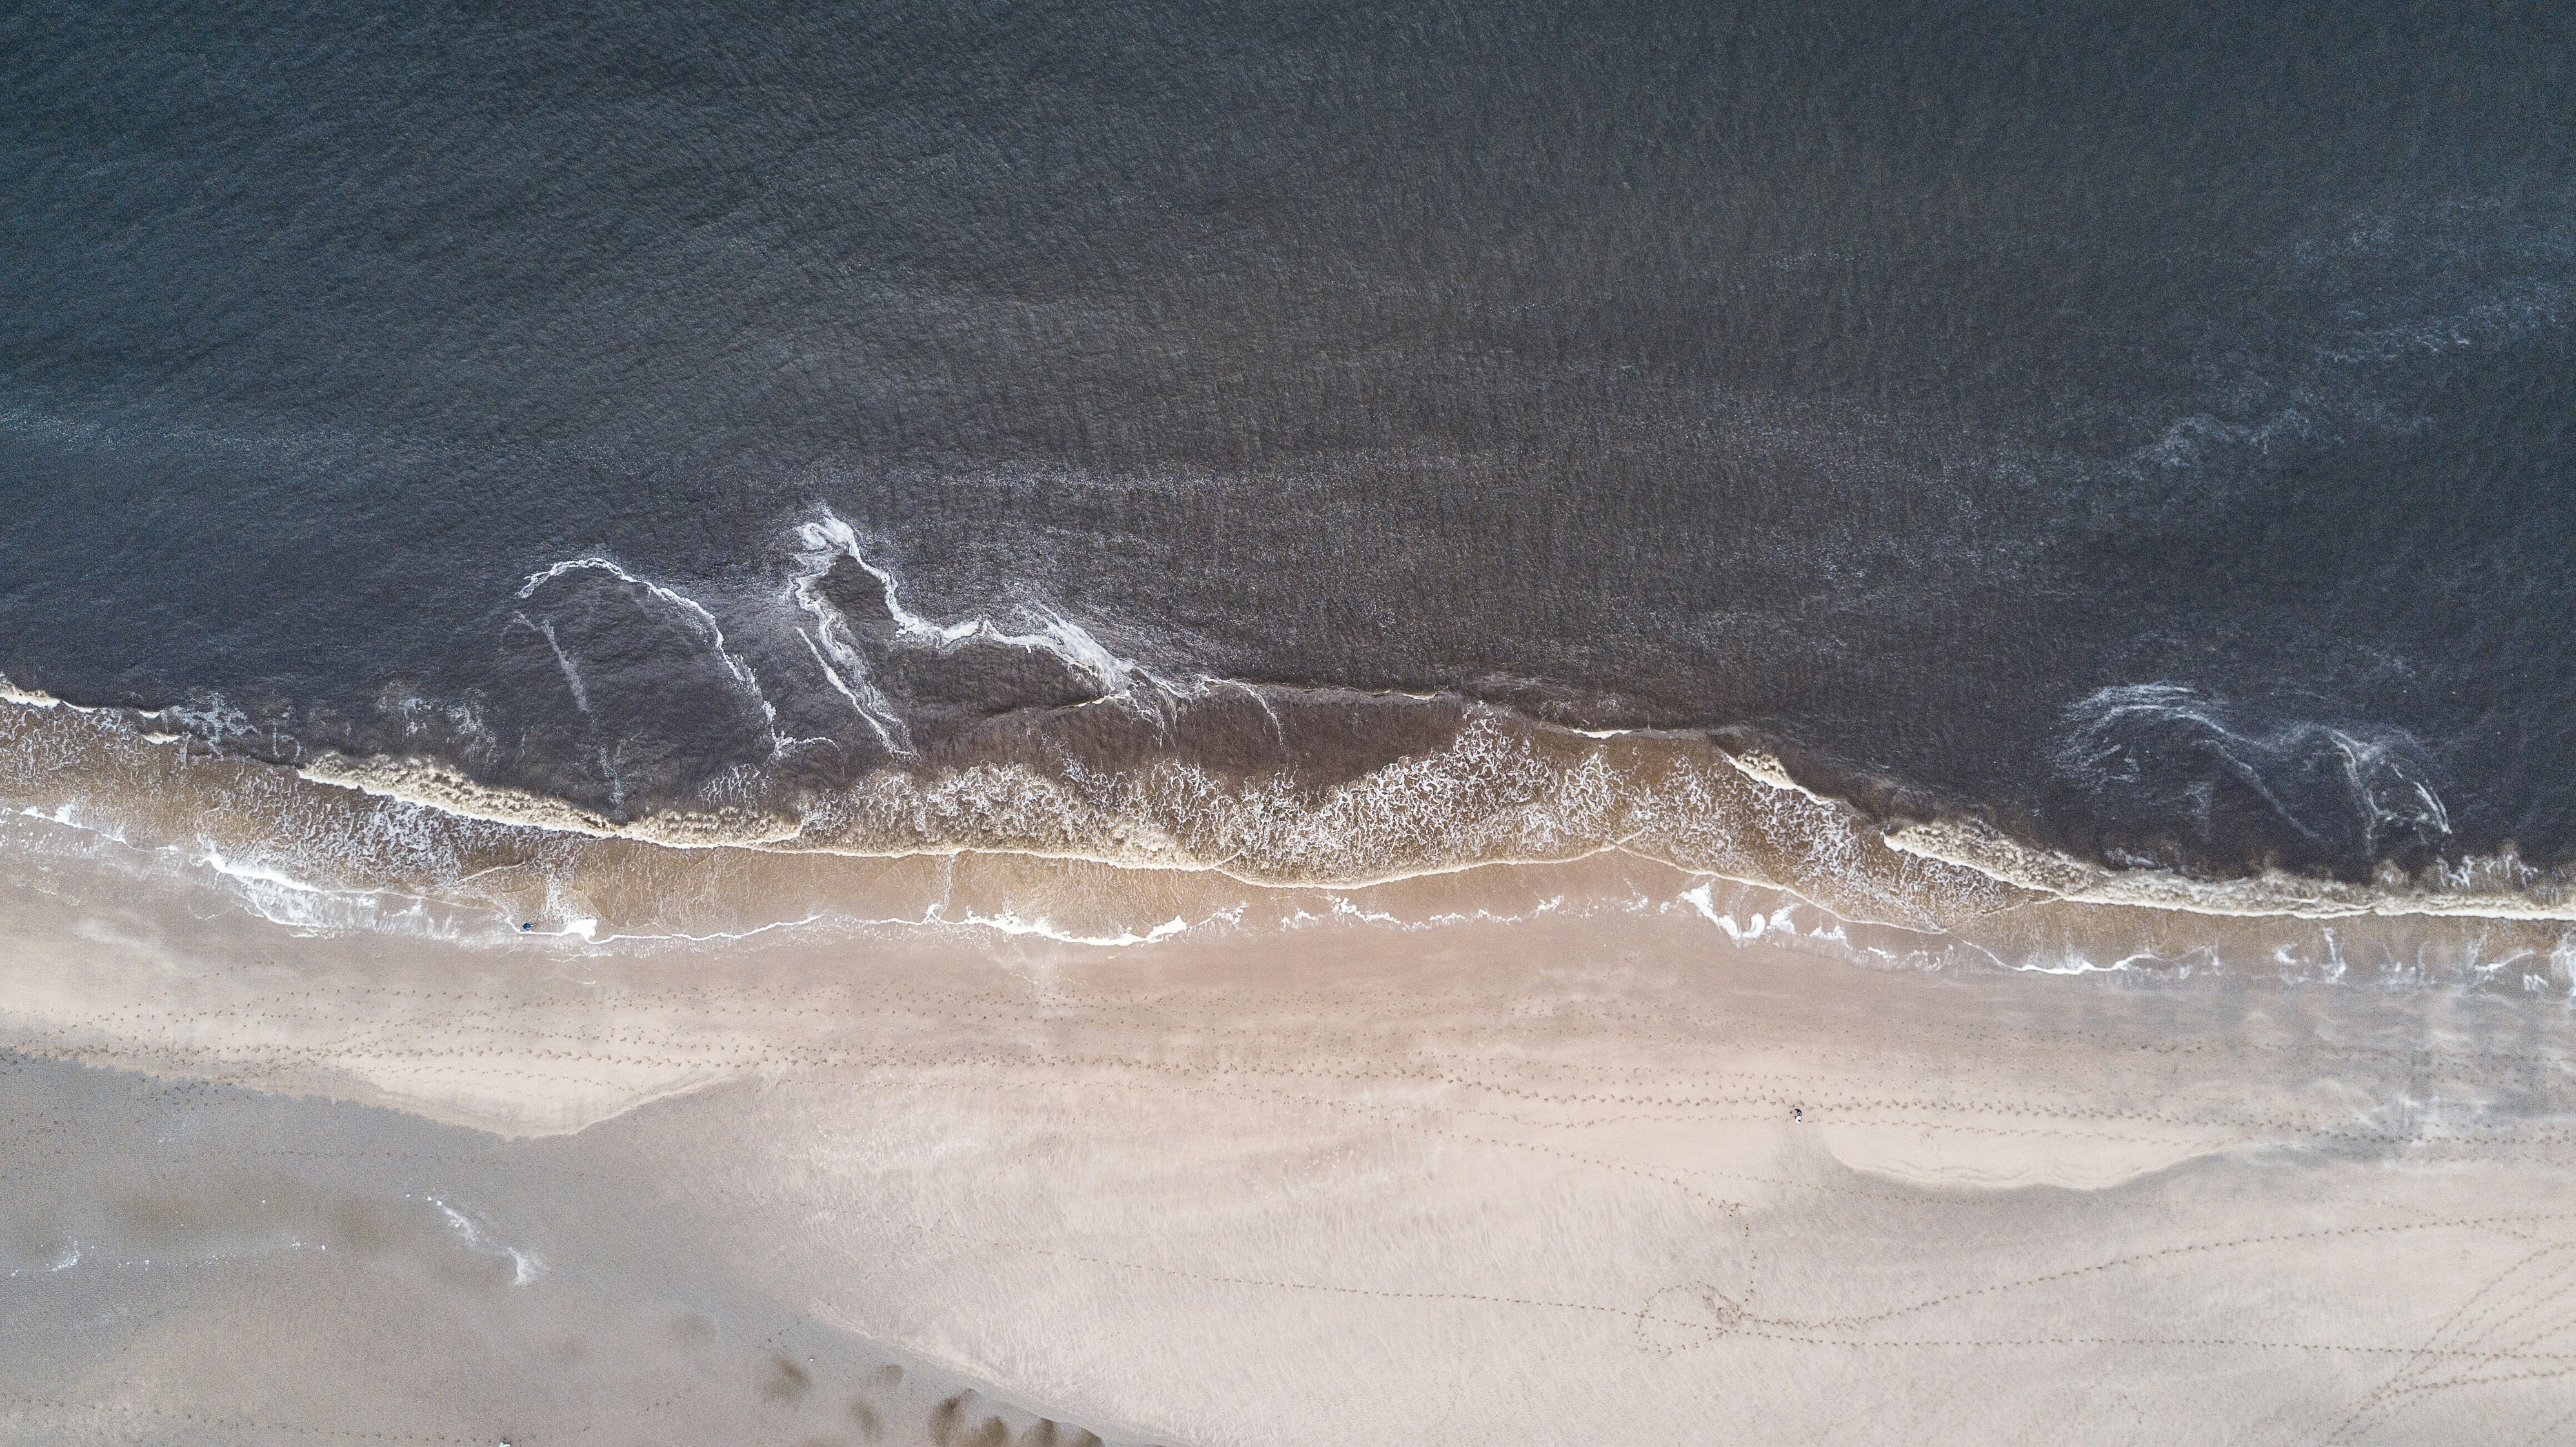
1606	1176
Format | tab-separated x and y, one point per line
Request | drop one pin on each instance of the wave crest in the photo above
1497	818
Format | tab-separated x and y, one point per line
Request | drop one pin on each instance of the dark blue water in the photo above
2143	427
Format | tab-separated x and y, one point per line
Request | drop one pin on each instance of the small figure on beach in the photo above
1797	1112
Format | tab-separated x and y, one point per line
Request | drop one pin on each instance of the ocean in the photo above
1320	443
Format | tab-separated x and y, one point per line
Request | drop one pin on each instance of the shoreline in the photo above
1734	818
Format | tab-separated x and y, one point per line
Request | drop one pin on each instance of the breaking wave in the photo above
1505	819
650	780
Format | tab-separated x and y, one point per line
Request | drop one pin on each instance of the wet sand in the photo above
1603	1176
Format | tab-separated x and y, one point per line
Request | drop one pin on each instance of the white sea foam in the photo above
1760	859
65	1260
525	1266
1011	924
2501	888
700	620
306	908
829	539
2161	746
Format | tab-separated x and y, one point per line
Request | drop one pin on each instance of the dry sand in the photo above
1590	1178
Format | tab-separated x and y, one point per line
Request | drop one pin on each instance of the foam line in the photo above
689	607
829	538
1493	800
